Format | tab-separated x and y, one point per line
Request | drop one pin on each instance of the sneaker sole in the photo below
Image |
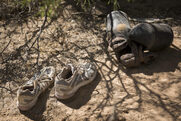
72	92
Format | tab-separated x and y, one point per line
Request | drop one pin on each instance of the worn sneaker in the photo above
129	60
28	93
118	44
71	78
154	37
117	20
118	28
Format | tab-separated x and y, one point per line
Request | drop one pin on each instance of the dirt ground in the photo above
147	93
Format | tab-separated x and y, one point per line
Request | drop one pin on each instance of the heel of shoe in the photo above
27	106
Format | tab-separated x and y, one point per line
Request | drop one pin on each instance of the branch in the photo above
7	89
41	28
6	46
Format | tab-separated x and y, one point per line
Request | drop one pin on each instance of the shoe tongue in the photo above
85	68
47	71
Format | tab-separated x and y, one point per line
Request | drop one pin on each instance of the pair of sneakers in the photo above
130	44
66	83
129	53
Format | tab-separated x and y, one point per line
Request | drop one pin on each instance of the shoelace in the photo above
42	78
140	54
81	71
134	49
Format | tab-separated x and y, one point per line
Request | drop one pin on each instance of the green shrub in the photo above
39	6
87	3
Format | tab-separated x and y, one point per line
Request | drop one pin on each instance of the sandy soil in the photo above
147	93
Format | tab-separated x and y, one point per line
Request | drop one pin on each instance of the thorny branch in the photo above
5	48
38	37
41	28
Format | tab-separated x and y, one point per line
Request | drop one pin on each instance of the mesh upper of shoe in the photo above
115	18
79	74
89	71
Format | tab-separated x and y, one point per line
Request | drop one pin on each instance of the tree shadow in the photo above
170	106
83	95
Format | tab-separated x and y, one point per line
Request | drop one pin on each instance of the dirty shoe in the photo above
129	60
117	20
28	94
154	37
71	78
118	28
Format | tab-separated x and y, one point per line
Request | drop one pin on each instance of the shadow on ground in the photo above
167	61
36	112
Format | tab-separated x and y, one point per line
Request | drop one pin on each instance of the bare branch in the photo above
41	28
7	89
